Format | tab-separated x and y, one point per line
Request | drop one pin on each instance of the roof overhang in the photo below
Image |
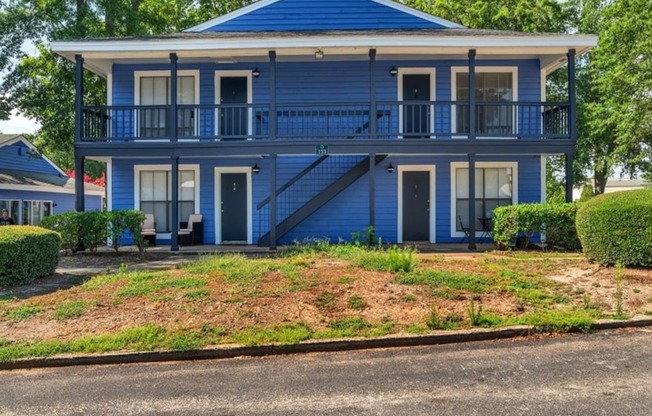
100	54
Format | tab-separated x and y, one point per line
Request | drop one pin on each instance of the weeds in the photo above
435	321
326	301
70	310
620	274
20	313
356	302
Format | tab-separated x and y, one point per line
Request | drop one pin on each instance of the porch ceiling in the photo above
101	54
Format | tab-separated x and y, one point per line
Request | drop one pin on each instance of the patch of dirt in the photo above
599	284
283	300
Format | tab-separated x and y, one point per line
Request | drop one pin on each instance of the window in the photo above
35	211
493	188
13	207
491	90
155	91
156	193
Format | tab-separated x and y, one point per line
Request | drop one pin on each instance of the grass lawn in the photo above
318	292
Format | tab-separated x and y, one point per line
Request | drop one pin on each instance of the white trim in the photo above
544	162
422	15
141	168
219	74
21	138
549	44
264	3
453	195
433	196
109	89
230	16
166	73
433	91
37	188
218	201
482	69
109	185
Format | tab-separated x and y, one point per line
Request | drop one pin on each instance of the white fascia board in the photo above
33	148
194	44
264	3
48	189
417	13
230	16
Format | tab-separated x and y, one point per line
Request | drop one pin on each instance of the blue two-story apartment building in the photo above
289	120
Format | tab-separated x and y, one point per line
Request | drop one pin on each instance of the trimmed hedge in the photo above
27	253
93	228
617	228
556	221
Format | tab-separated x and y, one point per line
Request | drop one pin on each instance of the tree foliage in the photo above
42	87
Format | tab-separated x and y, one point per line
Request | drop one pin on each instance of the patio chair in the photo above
148	231
192	232
464	229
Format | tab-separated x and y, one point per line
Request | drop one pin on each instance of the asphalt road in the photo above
607	373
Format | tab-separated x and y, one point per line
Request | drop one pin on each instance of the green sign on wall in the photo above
321	149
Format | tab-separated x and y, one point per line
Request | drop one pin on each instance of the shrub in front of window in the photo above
126	221
556	221
27	253
617	228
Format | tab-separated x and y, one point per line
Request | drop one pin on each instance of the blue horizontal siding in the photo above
20	157
288	15
65	202
347	212
324	82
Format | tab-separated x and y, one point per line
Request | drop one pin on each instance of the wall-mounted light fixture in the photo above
255	169
390	168
393	71
319	55
256	73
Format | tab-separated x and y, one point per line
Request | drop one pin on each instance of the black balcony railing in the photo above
327	121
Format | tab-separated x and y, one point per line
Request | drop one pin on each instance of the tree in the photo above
42	86
622	65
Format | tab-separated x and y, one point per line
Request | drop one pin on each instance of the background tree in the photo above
42	87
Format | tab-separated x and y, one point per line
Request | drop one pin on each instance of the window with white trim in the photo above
156	196
13	207
491	89
493	188
35	211
155	91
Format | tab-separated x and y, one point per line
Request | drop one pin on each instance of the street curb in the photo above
307	347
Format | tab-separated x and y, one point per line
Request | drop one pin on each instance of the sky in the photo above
18	124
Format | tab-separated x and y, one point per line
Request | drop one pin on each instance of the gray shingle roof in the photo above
456	32
5	138
45	180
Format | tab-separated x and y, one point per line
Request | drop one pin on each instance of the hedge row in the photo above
556	221
617	228
27	253
93	228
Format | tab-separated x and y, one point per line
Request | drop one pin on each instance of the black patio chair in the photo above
464	229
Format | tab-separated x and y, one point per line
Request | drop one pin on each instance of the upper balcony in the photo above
381	120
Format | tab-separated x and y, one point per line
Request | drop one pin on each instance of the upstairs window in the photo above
491	89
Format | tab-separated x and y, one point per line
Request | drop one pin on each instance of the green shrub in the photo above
27	253
93	228
556	221
617	228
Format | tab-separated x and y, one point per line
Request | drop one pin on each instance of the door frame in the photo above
219	74
433	79
218	200
417	168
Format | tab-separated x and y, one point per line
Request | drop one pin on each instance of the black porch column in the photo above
272	201
174	171
174	209
80	204
569	176
372	190
472	213
272	99
373	119
173	97
472	136
572	112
